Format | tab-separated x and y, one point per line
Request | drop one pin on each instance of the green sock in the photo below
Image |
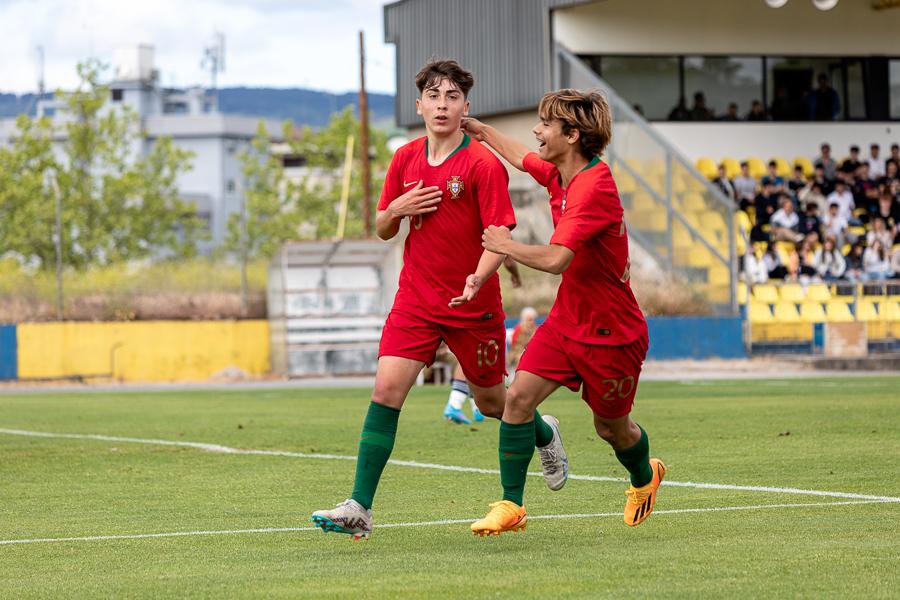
637	460
375	444
543	433
516	450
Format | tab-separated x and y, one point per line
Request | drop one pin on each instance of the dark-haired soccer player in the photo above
595	335
451	188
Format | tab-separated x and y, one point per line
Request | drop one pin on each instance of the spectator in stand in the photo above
810	223
843	198
826	184
773	177
731	114
875	162
724	184
745	187
895	155
785	222
812	194
782	109
801	266
877	262
879	232
889	212
827	163
700	112
797	182
829	262
680	112
852	162
765	203
521	335
865	190
823	102
855	270
836	225
895	262
755	269
757	112
891	173
773	263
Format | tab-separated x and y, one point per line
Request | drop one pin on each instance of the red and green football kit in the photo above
442	249
595	333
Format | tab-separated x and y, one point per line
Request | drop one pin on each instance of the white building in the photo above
192	121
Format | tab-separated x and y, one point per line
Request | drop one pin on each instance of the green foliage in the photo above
116	204
279	209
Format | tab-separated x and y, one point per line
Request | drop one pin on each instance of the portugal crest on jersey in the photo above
455	186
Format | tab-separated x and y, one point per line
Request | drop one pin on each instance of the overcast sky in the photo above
277	43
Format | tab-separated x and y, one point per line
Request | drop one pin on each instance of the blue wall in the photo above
695	338
8	358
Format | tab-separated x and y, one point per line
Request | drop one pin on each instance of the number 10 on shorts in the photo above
488	354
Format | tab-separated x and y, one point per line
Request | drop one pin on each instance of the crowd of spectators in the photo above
838	224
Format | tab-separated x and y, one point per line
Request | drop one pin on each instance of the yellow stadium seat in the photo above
693	202
838	312
805	164
783	250
732	167
743	221
818	292
792	292
812	312
890	310
865	311
644	201
763	292
718	276
742	293
707	167
714	221
653	220
786	312
782	167
756	167
759	312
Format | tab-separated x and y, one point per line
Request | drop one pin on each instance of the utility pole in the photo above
364	140
244	241
53	188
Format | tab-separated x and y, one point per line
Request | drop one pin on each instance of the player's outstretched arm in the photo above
511	150
552	258
487	266
418	201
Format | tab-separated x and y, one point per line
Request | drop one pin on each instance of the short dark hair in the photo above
744	163
436	70
874	145
772	163
854	148
895	146
825	145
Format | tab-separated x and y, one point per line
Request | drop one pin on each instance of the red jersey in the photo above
444	247
594	303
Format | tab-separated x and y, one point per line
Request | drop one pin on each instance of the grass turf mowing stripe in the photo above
420	465
674	511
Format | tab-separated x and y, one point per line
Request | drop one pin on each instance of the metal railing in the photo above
684	222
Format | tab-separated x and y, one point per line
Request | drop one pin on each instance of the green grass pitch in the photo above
835	435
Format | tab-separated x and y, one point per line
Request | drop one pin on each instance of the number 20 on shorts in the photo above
620	387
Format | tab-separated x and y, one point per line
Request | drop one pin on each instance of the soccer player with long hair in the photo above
595	337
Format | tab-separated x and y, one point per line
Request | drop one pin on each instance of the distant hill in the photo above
304	107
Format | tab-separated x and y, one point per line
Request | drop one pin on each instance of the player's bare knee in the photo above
519	405
388	395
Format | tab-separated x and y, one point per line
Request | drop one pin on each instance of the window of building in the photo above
229	185
894	84
650	83
116	95
805	89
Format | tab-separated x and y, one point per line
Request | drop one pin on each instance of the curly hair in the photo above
587	112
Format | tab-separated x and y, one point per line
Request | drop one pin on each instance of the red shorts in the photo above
481	352
609	373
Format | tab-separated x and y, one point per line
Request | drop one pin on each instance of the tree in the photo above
279	209
117	205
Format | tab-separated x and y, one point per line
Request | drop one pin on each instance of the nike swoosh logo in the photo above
410	183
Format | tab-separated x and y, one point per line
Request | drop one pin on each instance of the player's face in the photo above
553	144
442	107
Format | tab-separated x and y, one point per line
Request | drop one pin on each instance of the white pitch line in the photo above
420	465
675	511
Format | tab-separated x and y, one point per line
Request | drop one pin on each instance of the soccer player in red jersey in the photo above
595	336
450	187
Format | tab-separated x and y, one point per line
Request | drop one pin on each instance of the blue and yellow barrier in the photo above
138	351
